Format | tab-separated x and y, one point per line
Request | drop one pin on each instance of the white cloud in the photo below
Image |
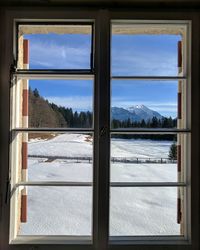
58	56
144	63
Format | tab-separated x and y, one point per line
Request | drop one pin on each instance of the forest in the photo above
42	113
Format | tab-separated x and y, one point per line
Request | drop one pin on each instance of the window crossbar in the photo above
54	74
149	131
112	131
112	184
158	78
46	130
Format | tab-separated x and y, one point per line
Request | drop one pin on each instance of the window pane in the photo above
56	211
144	211
56	46
145	104
145	50
54	103
55	157
145	158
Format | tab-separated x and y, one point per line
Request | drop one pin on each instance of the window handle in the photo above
102	131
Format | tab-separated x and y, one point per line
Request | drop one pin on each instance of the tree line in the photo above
42	113
165	122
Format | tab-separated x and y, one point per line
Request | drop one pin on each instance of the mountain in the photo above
134	113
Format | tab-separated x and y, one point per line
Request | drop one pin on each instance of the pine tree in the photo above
143	123
154	122
36	92
173	151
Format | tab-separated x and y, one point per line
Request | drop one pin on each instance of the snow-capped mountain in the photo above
134	113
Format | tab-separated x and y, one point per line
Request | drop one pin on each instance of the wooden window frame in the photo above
101	186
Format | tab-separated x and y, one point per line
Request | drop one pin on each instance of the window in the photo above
145	77
96	161
55	66
46	141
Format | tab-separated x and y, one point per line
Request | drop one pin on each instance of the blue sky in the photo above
131	55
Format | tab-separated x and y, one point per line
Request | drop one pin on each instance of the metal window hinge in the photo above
13	68
8	191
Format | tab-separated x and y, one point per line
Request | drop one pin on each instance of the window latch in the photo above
102	131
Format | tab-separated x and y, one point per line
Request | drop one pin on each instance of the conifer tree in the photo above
173	151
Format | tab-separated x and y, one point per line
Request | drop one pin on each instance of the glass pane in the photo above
54	157
143	211
56	46
55	211
145	51
54	103
144	158
144	104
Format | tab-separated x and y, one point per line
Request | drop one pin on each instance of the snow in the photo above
143	211
58	211
62	145
68	210
140	148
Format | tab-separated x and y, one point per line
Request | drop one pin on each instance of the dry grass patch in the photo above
41	136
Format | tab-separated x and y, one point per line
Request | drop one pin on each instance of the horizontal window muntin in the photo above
47	130
54	32
54	74
86	241
90	184
149	131
155	78
152	240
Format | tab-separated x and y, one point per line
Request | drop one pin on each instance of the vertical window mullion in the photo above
102	133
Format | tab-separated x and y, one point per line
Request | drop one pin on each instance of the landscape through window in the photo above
143	96
53	142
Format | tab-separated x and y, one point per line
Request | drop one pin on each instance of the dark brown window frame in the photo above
102	20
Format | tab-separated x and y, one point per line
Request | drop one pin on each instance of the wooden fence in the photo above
88	159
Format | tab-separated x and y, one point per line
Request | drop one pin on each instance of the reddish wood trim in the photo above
24	208
26	51
179	54
179	157
179	215
25	102
24	155
179	105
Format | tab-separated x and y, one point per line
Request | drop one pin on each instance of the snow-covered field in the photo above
68	210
